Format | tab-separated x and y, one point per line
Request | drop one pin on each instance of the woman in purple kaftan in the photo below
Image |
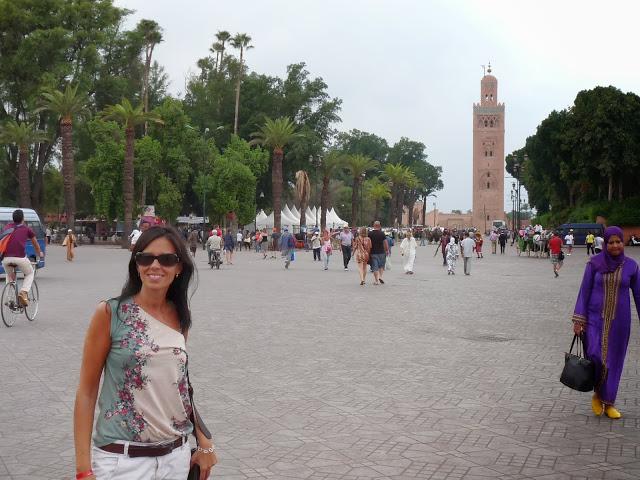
603	313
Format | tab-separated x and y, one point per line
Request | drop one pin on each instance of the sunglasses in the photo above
164	259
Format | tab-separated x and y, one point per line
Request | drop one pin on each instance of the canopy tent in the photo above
291	218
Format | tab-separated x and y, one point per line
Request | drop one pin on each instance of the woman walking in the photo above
452	251
408	248
362	251
192	240
479	242
138	341
70	242
603	316
326	248
229	243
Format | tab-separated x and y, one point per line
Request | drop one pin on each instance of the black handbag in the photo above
579	372
194	471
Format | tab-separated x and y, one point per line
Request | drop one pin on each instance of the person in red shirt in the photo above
15	254
555	249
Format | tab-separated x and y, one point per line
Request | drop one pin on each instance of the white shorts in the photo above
117	466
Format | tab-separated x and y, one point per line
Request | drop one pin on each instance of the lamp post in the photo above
204	194
513	206
517	168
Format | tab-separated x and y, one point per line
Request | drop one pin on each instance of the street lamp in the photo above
517	168
204	194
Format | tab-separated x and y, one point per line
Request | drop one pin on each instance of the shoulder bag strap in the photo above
195	418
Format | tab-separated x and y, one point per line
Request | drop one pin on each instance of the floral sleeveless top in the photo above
144	396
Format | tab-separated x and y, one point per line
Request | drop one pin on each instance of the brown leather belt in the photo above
145	450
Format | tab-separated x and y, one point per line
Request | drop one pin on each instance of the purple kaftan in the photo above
604	304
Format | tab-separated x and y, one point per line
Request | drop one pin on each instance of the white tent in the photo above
264	221
296	213
287	218
290	218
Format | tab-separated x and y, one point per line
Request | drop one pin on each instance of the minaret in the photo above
488	155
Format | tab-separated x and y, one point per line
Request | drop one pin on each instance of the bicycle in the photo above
11	306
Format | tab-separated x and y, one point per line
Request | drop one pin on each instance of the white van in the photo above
32	220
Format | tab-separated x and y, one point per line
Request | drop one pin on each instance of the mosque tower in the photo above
488	155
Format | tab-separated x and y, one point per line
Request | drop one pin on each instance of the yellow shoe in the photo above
23	297
612	412
596	405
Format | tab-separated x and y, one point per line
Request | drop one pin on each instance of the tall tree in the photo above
399	176
129	117
152	35
276	134
67	106
223	37
22	135
330	163
378	192
357	166
242	42
303	192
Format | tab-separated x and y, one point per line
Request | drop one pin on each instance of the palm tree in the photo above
276	134
217	48
378	192
152	35
303	191
328	167
241	41
67	106
223	37
357	166
129	117
22	135
399	176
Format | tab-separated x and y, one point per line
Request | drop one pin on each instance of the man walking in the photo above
467	252
502	240
15	253
555	249
275	241
568	239
287	247
444	241
379	252
346	240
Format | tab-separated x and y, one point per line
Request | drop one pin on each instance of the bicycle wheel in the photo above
10	309
31	310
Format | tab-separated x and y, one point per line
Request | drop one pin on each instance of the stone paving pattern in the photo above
303	374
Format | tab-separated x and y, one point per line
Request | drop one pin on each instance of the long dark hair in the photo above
179	288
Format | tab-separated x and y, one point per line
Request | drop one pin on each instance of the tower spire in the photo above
489	68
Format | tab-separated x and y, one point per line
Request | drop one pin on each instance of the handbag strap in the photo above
579	343
196	419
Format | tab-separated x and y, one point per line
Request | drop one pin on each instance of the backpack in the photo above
5	238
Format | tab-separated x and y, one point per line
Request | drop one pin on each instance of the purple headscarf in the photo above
604	262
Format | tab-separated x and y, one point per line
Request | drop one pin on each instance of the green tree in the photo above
223	37
129	117
276	134
234	190
330	164
152	35
357	166
377	192
242	42
22	135
399	176
169	200
368	144
67	106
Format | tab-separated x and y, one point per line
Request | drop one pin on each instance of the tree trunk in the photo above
303	213
68	175
127	185
24	187
392	206
424	212
377	210
410	207
354	201
620	190
276	182
235	120
324	201
610	194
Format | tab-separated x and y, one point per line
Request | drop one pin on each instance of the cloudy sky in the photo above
413	68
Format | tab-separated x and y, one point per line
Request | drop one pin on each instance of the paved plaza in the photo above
304	374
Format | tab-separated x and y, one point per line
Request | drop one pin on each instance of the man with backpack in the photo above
13	252
287	246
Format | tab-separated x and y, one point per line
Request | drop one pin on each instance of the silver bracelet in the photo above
207	450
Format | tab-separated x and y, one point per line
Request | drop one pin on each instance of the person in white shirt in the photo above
239	238
468	245
598	243
408	251
568	240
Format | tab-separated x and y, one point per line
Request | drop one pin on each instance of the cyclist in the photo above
214	244
15	254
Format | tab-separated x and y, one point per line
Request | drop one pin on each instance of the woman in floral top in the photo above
138	340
